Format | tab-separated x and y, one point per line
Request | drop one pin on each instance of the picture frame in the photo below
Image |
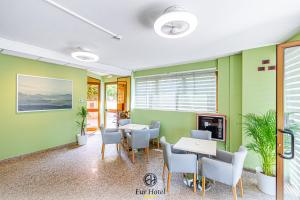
38	93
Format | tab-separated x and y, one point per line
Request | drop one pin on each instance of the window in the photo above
187	91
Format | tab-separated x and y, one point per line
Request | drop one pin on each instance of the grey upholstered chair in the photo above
154	129
227	168
182	163
201	134
110	136
139	139
123	122
177	151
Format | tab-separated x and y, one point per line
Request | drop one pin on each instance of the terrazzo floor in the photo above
79	173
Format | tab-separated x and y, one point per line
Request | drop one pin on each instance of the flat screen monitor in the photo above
214	123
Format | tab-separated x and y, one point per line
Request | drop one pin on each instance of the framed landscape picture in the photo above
35	93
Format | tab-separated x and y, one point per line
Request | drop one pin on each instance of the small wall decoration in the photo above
265	66
35	93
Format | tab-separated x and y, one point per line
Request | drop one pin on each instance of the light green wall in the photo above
176	68
23	133
235	102
259	89
241	90
173	124
223	94
295	37
178	124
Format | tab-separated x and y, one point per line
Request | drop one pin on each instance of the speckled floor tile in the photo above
79	173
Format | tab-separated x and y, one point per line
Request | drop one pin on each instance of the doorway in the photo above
93	104
117	101
124	92
288	121
111	105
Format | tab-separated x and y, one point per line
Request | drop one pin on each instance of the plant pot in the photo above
81	139
266	184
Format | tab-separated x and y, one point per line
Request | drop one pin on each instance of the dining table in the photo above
134	127
197	146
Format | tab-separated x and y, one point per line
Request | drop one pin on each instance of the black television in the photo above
215	123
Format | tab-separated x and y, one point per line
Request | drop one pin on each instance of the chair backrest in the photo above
238	163
201	134
140	138
154	124
167	151
102	129
123	122
163	140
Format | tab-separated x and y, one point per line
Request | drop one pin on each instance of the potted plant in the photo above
82	137
262	130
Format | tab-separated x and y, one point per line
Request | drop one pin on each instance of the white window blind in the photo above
189	91
292	111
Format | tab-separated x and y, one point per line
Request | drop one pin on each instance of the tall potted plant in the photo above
81	122
262	130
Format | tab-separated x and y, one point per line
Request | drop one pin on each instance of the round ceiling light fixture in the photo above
84	55
175	22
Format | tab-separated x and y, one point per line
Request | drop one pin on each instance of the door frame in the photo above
129	97
93	81
105	84
280	116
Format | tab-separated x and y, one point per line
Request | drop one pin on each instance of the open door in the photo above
117	101
110	105
288	121
93	104
124	92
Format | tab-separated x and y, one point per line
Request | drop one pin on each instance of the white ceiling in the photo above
224	27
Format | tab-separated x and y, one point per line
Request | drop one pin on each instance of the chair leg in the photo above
158	143
241	187
147	152
203	187
132	155
117	147
195	182
163	172
234	192
169	181
102	151
127	145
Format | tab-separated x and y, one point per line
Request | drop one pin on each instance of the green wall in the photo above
23	133
259	89
295	37
241	90
235	102
178	124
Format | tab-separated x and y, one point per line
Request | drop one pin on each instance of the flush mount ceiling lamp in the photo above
84	55
175	22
